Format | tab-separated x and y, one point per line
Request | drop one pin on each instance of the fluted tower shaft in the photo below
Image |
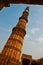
12	50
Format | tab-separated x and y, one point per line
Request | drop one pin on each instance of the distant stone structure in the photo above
26	59
37	62
12	50
6	3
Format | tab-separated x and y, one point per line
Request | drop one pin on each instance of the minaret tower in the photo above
12	50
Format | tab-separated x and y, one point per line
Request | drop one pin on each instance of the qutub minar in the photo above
12	50
11	53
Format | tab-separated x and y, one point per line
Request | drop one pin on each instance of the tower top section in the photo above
27	9
25	14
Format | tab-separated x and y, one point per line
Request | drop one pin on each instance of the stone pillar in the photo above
12	50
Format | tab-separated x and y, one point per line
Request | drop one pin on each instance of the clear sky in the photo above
33	41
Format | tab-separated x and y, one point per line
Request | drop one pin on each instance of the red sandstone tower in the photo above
12	50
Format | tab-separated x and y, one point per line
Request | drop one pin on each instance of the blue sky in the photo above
33	41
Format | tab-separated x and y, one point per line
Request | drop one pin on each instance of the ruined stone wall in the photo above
6	3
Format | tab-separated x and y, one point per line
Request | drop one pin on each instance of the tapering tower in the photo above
11	53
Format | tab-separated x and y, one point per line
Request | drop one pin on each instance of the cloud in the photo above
41	35
27	36
41	49
34	30
39	22
9	30
40	39
32	42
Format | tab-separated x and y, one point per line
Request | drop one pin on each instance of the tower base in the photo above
6	60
